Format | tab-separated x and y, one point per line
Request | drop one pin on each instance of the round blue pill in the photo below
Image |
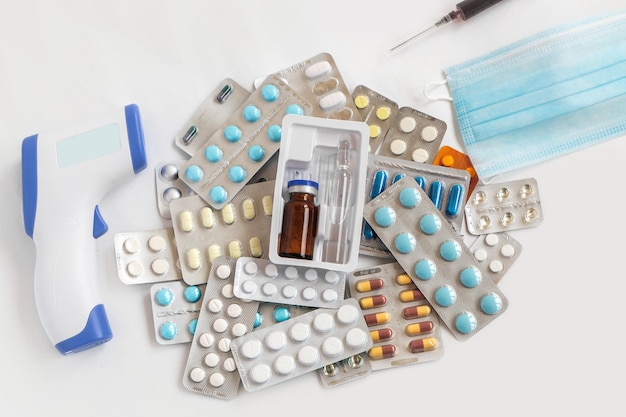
294	109
425	269
274	133
409	197
168	330
213	153
491	303
405	243
258	320
194	173
218	194
445	296
270	92
430	224
192	326
281	313
232	133
471	277
192	293
237	173
465	322
450	250
251	113
164	297
385	216
256	153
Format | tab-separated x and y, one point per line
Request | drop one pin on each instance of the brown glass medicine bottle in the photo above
300	216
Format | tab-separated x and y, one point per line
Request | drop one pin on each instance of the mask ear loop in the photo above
433	85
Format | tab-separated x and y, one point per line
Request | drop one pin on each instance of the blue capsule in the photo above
378	184
237	173
168	330
256	153
270	93
281	313
213	153
274	133
194	173
421	181
232	133
192	293
409	197
491	303
436	194
397	177
465	322
251	113
218	194
425	269
450	250
430	224
471	277
445	296
455	200
164	297
385	216
405	243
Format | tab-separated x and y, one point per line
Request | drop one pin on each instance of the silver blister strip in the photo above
497	252
175	310
169	186
437	260
377	111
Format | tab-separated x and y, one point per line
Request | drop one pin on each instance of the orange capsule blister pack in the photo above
404	328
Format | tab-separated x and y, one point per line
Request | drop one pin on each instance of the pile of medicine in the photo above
283	189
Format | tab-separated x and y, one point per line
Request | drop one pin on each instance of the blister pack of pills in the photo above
328	158
305	343
210	115
413	136
169	186
377	111
319	81
434	256
210	368
452	158
402	325
446	188
503	207
147	256
175	310
346	370
240	228
262	280
497	252
229	158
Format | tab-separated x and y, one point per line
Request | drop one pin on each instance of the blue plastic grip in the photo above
97	330
136	140
29	183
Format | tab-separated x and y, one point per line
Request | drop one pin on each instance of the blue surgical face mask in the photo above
542	97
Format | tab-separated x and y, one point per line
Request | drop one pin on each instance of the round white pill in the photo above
356	338
289	291
420	155
215	305
211	359
430	133
227	291
309	293
329	295
308	356
507	251
299	332
269	289
206	340
271	270
156	243
234	310
160	266
275	340
223	271
480	254
132	245
284	365
397	146
220	325
239	329
251	268
291	272
491	239
260	373
197	374
135	269
323	322
216	379
310	275
229	365
248	287
496	266
332	346
251	348
347	314
407	124
331	277
224	344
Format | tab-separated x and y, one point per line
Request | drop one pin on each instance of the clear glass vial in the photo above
300	217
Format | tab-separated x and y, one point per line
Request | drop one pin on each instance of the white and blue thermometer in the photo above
65	174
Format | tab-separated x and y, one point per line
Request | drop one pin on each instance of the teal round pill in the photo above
168	330
213	153
425	269
281	313
445	296
258	320
471	277
450	250
270	92
193	324
194	173
294	109
430	224
491	303
256	153
465	322
405	242
274	133
385	216
251	113
232	133
237	173
409	197
192	293
218	194
164	297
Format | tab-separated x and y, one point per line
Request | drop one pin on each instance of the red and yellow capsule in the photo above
381	335
423	345
373	301
416	312
381	352
424	327
377	318
407	296
367	285
403	279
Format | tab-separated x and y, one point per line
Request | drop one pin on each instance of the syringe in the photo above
464	10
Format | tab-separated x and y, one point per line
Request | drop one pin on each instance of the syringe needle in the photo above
412	38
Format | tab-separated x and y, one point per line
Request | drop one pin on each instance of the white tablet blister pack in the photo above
230	157
262	280
210	115
413	136
146	257
240	228
377	111
319	81
446	187
319	193
503	207
305	343
436	258
169	186
210	368
175	310
496	252
402	325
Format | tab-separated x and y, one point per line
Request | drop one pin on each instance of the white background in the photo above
558	349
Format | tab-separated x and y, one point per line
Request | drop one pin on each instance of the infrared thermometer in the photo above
65	174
